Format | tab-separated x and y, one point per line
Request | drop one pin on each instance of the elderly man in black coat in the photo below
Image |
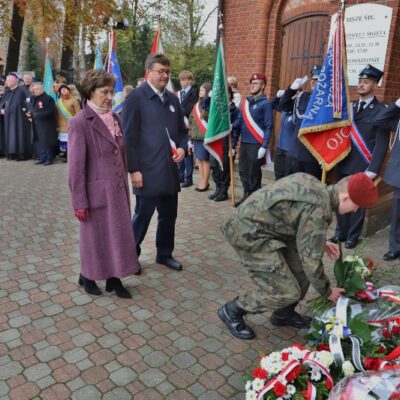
389	118
155	141
17	127
43	113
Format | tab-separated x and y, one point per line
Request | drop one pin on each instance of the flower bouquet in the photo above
370	385
294	373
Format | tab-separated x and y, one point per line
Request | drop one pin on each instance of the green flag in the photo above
48	80
219	124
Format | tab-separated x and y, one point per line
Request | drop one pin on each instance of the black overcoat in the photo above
44	119
146	120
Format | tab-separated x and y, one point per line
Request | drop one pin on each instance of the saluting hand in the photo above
137	179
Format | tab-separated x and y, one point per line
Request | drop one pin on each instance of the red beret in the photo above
362	190
258	76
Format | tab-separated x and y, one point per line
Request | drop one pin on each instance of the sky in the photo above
211	26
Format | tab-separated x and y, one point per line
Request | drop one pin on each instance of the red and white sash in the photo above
359	142
200	121
251	125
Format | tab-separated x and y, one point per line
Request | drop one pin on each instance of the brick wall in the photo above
252	39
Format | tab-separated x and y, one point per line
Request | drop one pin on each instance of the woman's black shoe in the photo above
89	285
115	284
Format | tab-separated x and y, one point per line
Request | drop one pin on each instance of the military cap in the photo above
362	190
258	76
371	72
315	71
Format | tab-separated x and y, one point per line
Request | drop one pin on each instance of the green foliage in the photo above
199	60
133	46
33	62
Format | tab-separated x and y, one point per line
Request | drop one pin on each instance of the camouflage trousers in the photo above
278	276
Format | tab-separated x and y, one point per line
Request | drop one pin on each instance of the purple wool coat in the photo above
97	177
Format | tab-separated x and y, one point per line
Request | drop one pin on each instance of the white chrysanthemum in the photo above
325	358
315	374
275	369
348	368
275	356
264	363
291	389
258	384
297	353
251	395
248	386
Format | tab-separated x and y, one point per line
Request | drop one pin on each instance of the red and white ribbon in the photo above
311	391
172	144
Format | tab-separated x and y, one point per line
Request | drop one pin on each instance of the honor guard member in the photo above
368	150
255	130
280	235
296	101
389	117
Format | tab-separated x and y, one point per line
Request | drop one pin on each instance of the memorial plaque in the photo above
367	28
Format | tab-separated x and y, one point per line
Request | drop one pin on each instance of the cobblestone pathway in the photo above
166	343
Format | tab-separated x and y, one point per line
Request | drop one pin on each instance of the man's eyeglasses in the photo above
162	71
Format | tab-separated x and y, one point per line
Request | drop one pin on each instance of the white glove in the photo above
296	85
261	153
190	145
304	79
233	152
398	103
371	175
280	93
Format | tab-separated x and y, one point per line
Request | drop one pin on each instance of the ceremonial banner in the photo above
219	124
325	129
98	61
48	80
113	68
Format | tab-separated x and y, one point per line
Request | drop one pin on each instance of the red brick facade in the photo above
253	39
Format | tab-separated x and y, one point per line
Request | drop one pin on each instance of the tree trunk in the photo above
17	23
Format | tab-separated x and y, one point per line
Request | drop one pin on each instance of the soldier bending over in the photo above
280	236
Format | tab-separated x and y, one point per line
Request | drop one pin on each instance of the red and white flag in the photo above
157	48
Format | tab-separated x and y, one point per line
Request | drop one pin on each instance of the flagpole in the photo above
231	163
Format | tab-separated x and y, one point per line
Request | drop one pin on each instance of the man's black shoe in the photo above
245	196
187	183
350	244
391	255
215	194
170	262
295	320
39	162
222	196
335	239
232	316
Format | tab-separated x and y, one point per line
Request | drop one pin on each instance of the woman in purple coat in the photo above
97	176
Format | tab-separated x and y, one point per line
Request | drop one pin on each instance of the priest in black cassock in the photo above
17	127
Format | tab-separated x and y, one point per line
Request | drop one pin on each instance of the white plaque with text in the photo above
367	28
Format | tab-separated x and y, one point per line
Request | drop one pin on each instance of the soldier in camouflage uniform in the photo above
280	236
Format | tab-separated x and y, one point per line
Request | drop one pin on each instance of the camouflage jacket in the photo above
295	210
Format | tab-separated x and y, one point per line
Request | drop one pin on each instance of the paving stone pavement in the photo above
167	342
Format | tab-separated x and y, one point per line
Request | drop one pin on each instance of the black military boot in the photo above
215	194
245	196
232	315
222	195
287	316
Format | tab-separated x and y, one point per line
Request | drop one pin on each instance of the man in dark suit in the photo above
188	97
155	142
389	118
374	140
295	101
